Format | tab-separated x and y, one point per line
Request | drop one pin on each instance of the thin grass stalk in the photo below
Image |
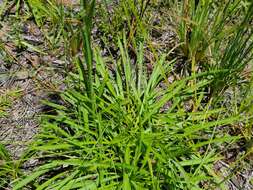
87	20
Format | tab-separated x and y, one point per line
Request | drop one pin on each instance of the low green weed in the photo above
9	169
6	99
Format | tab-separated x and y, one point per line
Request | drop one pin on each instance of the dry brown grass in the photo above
67	3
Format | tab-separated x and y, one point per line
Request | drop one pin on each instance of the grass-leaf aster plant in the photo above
125	128
129	94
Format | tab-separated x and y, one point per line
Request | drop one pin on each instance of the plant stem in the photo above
90	9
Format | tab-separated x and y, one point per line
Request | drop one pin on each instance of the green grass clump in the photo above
215	36
237	55
9	169
128	132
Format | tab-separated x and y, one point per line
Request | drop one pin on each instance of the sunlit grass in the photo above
128	138
121	125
